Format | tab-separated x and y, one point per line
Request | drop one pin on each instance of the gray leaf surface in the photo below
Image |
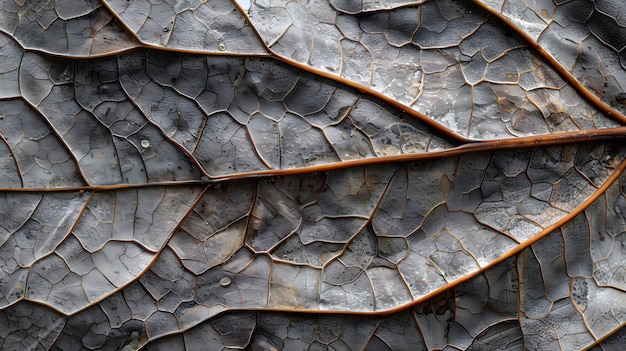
312	175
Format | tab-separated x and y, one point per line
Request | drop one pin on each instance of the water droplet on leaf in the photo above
225	281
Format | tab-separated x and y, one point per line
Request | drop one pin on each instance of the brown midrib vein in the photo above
594	135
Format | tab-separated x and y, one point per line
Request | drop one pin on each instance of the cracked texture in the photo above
447	59
303	175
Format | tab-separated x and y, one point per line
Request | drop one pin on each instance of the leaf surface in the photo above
387	175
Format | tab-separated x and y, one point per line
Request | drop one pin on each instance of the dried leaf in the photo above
266	175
